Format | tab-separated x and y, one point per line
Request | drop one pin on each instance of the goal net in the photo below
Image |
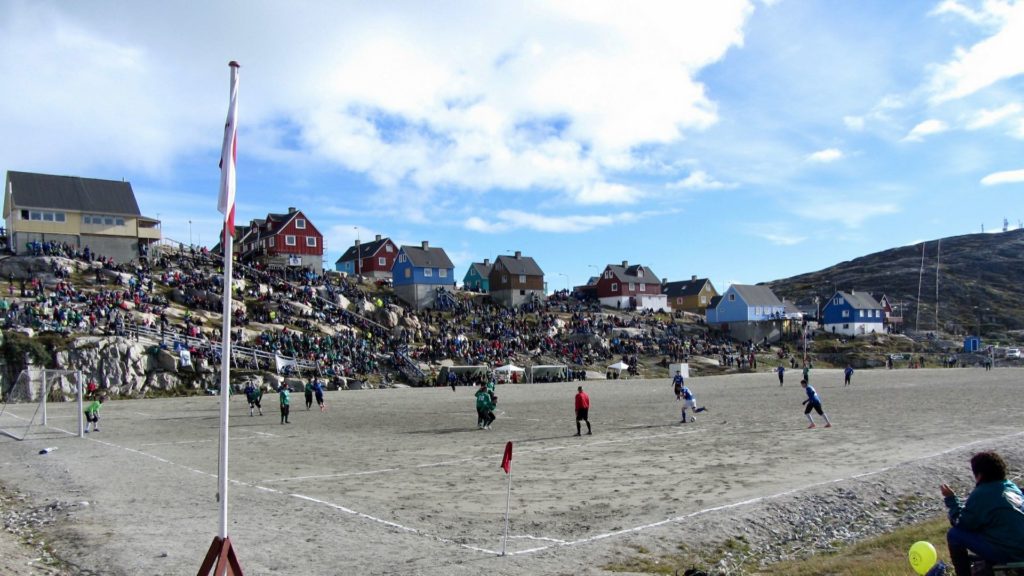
43	398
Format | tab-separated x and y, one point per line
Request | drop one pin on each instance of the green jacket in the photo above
483	400
285	397
995	510
94	408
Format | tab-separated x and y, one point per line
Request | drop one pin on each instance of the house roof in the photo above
632	274
427	257
690	287
757	295
483	270
72	193
519	265
714	301
365	250
860	300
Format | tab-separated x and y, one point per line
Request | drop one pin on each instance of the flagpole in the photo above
227	165
508	502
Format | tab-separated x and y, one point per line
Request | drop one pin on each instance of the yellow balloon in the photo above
922	557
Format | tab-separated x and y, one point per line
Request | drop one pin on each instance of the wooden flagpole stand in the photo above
221	559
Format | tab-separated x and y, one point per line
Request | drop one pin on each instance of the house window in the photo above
679	300
504	279
442	272
311	241
60	217
47	216
401	258
846	313
615	287
860	313
408	272
643	287
389	248
640	272
24	214
632	287
732	297
289	240
382	261
707	288
428	272
522	278
703	299
36	215
300	223
271	241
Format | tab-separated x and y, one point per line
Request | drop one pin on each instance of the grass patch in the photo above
885	555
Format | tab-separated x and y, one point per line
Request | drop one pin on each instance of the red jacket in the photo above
582	401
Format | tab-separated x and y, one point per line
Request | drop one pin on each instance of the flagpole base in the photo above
221	559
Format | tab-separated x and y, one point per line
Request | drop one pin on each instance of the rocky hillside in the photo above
979	283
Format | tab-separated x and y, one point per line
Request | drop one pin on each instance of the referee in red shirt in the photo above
582	408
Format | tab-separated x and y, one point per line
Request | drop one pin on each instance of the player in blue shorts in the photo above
689	401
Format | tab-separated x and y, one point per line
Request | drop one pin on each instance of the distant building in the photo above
477	278
421	274
284	241
750	312
101	215
630	287
515	280
693	295
371	260
852	314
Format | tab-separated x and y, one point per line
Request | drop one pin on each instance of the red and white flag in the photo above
506	460
228	155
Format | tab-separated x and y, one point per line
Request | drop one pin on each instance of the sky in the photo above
742	141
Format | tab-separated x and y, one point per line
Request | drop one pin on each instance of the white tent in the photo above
504	373
618	367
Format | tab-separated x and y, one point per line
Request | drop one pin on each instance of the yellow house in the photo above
693	295
81	212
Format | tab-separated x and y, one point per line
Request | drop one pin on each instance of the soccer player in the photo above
484	407
677	385
254	395
318	391
92	414
813	402
285	396
309	395
689	401
582	409
782	373
847	374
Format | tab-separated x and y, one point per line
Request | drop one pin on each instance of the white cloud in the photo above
506	220
1006	177
701	180
855	123
777	234
926	128
826	155
986	118
991	60
607	193
848	213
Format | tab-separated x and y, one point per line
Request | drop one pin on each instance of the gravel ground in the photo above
401	481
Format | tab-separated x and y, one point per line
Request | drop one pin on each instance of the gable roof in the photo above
482	269
860	300
519	265
365	250
690	287
427	257
72	193
629	273
757	295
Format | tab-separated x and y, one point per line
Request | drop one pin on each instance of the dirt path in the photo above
401	481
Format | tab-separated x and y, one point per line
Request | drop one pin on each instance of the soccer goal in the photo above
25	402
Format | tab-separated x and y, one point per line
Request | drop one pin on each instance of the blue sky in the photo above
743	141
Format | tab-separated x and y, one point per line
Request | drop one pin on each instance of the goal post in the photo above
39	387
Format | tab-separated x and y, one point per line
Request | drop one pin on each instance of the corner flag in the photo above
506	460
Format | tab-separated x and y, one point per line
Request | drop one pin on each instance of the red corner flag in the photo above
506	460
228	155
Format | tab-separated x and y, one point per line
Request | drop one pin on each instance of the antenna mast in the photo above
920	280
938	257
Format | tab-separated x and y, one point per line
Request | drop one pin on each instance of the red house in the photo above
630	287
372	259
284	240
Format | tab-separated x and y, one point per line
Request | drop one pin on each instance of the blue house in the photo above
853	314
749	312
421	274
477	278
